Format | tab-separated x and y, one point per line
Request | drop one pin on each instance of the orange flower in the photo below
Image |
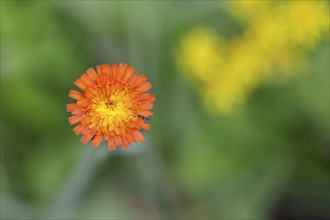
112	105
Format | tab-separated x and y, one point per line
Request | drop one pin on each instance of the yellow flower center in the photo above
111	113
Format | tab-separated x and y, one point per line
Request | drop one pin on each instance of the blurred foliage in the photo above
269	158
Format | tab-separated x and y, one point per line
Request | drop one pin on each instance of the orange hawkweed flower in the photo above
111	106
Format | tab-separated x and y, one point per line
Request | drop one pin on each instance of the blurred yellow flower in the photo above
200	54
307	21
277	36
244	68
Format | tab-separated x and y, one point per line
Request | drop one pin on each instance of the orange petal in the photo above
145	97
92	74
104	68
71	107
146	106
104	73
121	70
111	143
92	92
85	120
86	138
134	78
149	99
74	109
139	81
108	71
117	140
76	95
80	83
75	119
137	135
145	113
128	73
141	124
82	103
129	138
93	124
86	131
104	80
144	87
114	68
97	140
78	129
77	111
84	77
124	143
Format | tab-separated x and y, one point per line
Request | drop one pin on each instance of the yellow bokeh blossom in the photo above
276	37
307	21
200	54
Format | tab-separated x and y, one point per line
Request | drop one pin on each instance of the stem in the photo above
75	186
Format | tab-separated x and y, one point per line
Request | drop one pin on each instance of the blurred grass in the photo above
270	159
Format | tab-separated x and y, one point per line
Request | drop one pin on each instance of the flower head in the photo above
111	106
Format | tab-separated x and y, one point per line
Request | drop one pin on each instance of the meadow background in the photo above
219	147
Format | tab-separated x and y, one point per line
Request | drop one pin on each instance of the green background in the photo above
270	159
